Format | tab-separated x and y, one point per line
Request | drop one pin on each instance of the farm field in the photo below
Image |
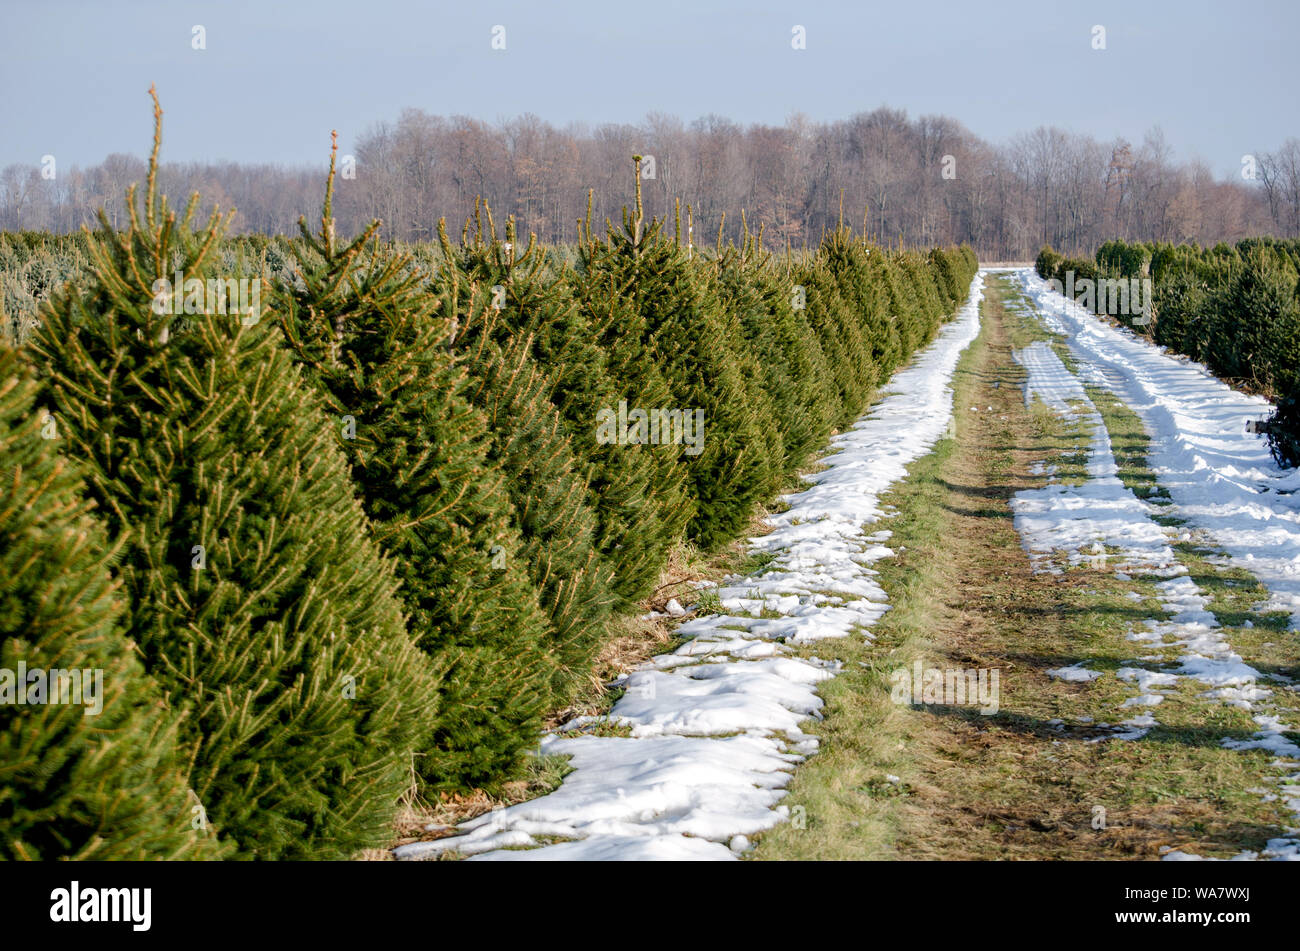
1141	703
1104	515
440	442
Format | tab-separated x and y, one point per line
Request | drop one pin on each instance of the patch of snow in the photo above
1076	673
1222	479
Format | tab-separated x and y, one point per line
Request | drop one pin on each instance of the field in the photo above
826	483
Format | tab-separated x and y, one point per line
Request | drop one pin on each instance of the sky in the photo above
275	76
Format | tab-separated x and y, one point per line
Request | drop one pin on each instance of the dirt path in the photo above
1065	768
1043	778
1001	786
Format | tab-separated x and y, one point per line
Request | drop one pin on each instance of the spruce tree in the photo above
643	501
93	773
924	291
742	353
947	277
532	299
1284	426
1252	334
549	488
851	264
839	336
1045	263
586	355
824	392
373	339
253	589
912	328
691	340
524	344
765	306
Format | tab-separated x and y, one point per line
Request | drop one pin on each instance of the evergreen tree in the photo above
764	305
947	277
524	343
848	261
687	335
885	323
587	355
1045	263
822	379
1252	334
636	498
549	490
643	502
1179	311
924	292
913	328
743	355
93	773
253	589
530	299
839	336
1284	427
373	339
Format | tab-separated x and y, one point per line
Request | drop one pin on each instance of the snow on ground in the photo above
1075	673
716	725
1229	506
1082	521
1048	379
1221	478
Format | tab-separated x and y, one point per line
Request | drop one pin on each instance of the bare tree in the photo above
916	181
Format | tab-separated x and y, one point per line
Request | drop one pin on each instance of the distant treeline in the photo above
920	181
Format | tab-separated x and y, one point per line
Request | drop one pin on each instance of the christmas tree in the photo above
947	277
524	343
922	289
686	333
767	306
911	326
742	353
850	263
531	298
837	334
88	766
641	494
549	488
374	340
524	301
252	586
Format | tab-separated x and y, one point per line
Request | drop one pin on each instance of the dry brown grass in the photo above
1024	783
1013	786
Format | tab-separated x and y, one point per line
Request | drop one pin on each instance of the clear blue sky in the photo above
1219	78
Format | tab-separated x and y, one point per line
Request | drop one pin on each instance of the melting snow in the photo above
1221	481
1221	478
716	725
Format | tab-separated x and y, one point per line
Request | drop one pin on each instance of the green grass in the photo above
847	805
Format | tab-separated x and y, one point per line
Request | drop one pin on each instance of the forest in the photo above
925	181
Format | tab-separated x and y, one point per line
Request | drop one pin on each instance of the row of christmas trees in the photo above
371	537
1235	308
